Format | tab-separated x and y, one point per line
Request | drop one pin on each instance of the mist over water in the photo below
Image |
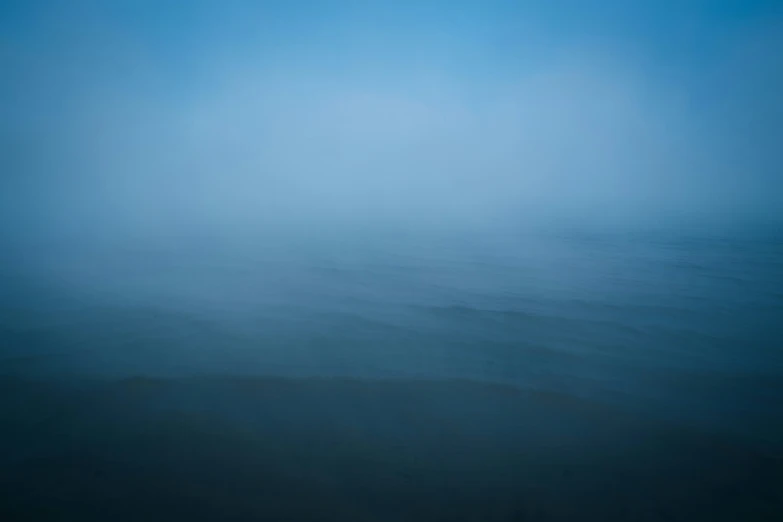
409	261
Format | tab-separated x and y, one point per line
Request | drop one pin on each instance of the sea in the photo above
514	375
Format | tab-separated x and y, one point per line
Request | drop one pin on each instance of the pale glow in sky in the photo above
148	117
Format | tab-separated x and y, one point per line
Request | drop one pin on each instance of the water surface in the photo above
516	376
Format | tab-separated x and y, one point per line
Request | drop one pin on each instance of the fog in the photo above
275	164
138	121
407	260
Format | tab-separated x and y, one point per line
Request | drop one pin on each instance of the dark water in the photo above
516	376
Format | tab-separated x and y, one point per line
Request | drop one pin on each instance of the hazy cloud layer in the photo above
152	120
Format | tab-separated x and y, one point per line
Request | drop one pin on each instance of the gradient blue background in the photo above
496	261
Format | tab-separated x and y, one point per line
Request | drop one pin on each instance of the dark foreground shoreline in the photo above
223	448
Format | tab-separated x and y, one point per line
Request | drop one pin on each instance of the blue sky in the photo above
159	112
